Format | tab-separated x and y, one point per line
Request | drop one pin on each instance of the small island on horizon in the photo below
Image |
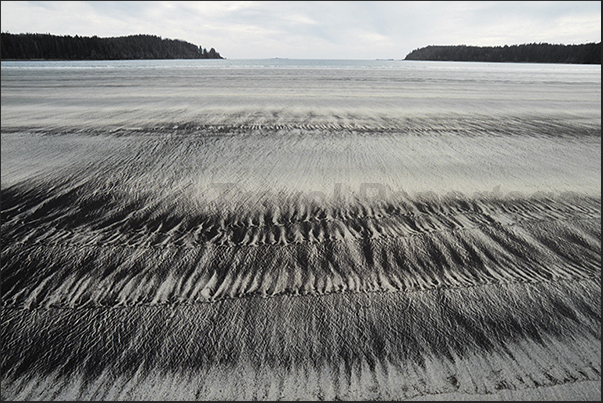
588	53
134	47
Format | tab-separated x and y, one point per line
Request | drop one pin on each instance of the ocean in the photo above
300	229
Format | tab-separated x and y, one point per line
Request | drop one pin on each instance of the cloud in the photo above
316	29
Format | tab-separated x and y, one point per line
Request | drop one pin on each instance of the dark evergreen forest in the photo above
52	47
589	53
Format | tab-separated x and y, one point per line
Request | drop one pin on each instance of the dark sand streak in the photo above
481	292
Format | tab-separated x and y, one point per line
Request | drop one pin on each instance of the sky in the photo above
315	29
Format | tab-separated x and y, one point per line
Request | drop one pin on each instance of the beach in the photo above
297	229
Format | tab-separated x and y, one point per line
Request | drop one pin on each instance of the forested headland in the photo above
53	47
588	53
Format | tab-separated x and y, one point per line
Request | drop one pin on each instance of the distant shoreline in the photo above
588	53
133	47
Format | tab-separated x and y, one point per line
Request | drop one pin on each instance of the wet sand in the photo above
340	254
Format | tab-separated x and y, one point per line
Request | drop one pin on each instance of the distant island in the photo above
53	47
589	53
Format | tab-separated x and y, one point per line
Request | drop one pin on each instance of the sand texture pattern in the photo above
276	234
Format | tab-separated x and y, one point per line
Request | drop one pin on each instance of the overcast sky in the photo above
315	29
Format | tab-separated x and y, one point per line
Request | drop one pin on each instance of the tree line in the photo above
53	47
588	53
